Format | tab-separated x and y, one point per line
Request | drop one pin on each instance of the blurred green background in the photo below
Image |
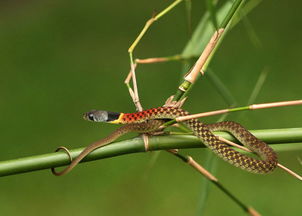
59	59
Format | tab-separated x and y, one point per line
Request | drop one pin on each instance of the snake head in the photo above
96	116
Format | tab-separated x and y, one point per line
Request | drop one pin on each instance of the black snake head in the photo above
101	116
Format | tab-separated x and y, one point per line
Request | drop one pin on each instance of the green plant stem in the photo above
186	159
231	13
149	23
221	88
46	161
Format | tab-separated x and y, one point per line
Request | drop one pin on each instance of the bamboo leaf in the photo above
211	8
204	31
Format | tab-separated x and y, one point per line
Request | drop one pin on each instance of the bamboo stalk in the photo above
205	58
190	161
46	161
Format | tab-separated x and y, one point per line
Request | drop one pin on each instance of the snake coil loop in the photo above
69	155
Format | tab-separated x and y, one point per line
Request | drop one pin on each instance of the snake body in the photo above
151	119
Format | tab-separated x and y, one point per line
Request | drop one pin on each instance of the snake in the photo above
150	120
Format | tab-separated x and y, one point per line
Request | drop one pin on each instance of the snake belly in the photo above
268	158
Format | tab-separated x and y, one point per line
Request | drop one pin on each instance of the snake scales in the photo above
151	119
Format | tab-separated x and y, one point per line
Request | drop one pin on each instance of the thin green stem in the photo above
236	109
188	4
233	11
258	86
223	111
229	194
170	7
149	23
187	159
135	96
221	88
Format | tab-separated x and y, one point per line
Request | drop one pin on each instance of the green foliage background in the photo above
59	59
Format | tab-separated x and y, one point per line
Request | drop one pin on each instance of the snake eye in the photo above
90	117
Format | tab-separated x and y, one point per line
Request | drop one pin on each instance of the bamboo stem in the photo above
198	67
190	161
46	161
205	58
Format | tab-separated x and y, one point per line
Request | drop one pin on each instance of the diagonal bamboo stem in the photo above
190	161
204	60
150	22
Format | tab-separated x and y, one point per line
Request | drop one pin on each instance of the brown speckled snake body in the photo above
151	119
